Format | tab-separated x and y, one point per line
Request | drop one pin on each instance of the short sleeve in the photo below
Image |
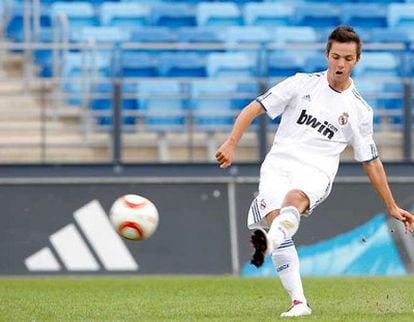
363	141
275	100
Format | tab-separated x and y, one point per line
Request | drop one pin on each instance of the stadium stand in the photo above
197	44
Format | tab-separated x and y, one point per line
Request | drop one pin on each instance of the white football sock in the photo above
283	227
286	261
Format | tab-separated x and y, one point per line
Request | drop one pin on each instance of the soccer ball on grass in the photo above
134	217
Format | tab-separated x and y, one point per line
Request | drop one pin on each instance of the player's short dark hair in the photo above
344	34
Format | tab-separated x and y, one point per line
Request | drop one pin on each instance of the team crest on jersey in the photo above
343	119
262	204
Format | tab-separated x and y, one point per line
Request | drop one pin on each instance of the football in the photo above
134	217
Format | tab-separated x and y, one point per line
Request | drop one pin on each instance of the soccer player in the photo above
321	114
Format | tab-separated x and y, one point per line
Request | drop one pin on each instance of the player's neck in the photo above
339	85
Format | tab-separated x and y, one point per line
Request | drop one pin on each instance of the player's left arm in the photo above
376	174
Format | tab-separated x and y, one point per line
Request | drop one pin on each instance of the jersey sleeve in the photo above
275	100
363	142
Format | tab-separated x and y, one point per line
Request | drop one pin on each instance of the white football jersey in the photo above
318	122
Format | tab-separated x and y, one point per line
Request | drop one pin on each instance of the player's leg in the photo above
283	225
285	222
286	261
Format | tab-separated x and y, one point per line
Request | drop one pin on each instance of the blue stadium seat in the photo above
231	64
139	64
245	34
100	34
103	102
283	65
391	35
124	14
377	64
153	34
199	34
370	91
318	15
14	26
383	2
163	105
218	14
393	101
77	71
294	34
268	14
173	15
364	15
79	13
315	63
182	64
246	92
401	15
212	104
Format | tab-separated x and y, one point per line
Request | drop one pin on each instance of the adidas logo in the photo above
306	97
100	246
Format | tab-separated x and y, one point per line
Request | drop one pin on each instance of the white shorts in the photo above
277	178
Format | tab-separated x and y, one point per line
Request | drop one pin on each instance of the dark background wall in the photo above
194	235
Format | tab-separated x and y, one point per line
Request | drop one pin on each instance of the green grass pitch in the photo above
187	298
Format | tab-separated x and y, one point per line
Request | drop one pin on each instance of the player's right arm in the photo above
225	153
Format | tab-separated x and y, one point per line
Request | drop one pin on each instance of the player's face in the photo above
341	60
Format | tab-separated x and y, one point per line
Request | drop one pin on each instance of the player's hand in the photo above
225	154
405	217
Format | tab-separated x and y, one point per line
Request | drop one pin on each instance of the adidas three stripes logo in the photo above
100	247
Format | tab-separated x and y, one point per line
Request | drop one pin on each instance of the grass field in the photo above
201	299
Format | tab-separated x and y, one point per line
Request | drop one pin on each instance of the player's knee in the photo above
287	221
298	199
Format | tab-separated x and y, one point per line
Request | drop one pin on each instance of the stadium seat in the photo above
173	15
124	14
13	27
79	13
139	64
364	15
370	90
268	14
283	65
317	15
212	104
218	14
294	34
199	34
245	34
102	104
401	15
78	70
162	104
231	64
153	34
391	35
393	102
182	64
315	63
377	64
100	34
